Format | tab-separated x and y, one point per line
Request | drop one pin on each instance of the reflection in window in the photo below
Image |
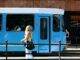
56	23
43	28
18	22
63	27
0	21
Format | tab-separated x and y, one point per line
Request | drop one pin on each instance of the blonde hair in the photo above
28	33
28	28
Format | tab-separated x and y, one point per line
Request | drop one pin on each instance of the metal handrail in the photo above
6	48
6	44
34	44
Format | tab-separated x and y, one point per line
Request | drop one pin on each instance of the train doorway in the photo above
43	28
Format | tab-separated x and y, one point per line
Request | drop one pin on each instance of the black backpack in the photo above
30	45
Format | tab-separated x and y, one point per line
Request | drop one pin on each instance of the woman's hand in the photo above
23	40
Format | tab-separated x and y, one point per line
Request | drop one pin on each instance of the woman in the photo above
28	38
28	34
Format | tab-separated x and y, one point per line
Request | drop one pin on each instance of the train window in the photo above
63	27
56	23
43	28
0	21
18	22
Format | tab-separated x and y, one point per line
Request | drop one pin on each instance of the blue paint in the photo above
15	37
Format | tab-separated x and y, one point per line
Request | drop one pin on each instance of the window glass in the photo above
56	23
18	22
43	28
0	21
62	23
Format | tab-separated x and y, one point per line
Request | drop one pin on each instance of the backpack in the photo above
30	45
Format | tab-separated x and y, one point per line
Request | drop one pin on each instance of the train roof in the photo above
32	10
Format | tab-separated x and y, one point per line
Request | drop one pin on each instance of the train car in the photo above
47	23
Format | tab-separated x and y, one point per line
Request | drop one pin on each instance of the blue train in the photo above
47	23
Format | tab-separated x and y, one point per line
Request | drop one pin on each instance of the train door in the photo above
57	32
42	25
49	31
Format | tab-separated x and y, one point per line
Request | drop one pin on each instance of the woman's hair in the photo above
28	28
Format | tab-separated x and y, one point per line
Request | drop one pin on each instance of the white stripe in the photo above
53	57
31	10
73	48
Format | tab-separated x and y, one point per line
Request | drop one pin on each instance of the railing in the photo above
6	43
6	48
